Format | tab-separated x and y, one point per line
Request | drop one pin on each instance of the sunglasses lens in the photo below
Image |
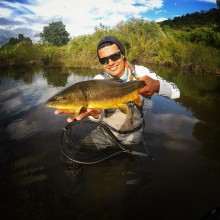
104	60
113	57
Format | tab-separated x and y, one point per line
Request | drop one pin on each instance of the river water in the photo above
183	135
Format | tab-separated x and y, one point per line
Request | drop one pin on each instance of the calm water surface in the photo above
182	182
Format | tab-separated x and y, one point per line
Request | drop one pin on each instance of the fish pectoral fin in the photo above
75	112
82	110
123	108
138	101
72	112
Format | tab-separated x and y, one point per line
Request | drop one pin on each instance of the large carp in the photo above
102	94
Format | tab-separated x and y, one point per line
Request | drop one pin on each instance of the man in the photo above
127	127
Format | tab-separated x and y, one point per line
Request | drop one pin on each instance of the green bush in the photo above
145	42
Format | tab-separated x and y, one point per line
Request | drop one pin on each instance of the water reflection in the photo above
171	124
35	181
201	95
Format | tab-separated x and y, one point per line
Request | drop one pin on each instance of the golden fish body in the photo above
102	94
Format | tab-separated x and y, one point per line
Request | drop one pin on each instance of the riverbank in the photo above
150	44
38	64
198	58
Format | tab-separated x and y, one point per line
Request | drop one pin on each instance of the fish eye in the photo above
56	97
59	98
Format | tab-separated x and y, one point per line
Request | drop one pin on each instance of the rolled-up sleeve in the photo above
167	89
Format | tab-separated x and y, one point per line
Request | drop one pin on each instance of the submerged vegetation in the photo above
190	42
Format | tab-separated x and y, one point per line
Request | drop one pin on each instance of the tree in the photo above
55	34
14	41
218	3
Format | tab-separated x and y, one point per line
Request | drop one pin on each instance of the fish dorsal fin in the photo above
138	101
123	108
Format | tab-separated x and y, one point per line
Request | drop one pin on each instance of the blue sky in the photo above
28	17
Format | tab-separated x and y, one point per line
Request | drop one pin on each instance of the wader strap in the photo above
106	75
127	131
140	108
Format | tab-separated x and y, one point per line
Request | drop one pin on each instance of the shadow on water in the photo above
183	136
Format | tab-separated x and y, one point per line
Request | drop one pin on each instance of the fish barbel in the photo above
99	93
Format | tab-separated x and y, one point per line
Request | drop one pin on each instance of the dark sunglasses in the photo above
113	57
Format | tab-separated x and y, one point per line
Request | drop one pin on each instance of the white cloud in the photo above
161	19
80	17
5	12
83	16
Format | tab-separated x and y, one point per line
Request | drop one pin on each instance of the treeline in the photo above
199	27
194	20
146	43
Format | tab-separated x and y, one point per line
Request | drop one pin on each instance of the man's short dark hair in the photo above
109	40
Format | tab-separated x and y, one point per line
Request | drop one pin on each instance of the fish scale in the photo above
97	94
113	89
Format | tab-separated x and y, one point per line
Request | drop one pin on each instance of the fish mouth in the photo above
49	104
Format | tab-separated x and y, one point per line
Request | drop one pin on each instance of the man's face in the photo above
115	68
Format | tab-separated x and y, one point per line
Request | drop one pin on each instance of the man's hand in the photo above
151	87
83	113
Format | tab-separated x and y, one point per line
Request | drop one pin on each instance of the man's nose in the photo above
110	62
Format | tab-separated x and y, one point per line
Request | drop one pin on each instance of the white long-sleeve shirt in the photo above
167	89
121	122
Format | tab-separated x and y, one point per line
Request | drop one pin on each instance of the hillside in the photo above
195	20
199	27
